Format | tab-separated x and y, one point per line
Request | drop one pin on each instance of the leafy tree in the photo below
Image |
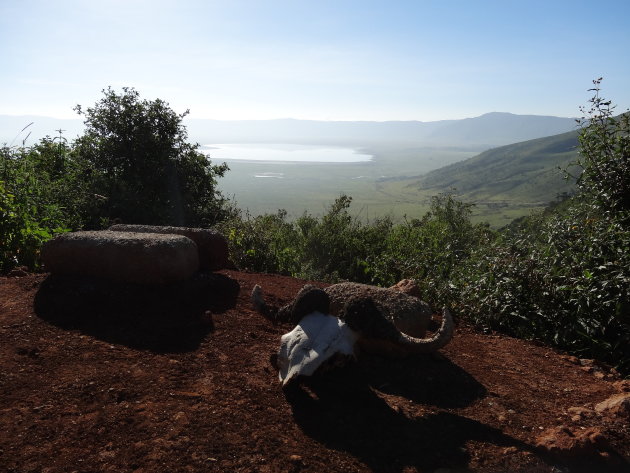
142	168
63	180
605	154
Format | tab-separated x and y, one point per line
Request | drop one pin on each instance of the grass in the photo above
313	186
504	183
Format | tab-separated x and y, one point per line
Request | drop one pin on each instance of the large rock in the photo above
562	441
618	404
146	258
212	246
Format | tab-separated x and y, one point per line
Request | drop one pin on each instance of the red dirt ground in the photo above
104	378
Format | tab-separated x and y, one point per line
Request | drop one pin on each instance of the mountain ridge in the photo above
487	130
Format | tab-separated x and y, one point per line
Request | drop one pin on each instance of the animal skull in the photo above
316	339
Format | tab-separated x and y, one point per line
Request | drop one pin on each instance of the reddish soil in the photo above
104	378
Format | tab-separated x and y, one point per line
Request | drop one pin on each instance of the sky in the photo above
316	59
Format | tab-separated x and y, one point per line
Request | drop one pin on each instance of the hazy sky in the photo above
316	59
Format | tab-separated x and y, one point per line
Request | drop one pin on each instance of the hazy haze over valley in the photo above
491	129
300	165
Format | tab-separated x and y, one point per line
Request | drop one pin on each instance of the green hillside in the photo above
506	182
527	170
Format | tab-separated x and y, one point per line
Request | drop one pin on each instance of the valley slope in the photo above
504	181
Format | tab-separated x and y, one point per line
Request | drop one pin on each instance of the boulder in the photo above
617	404
145	258
212	246
562	441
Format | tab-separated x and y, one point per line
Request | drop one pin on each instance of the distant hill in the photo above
343	133
500	129
525	172
492	129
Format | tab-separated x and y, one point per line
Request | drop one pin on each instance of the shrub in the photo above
338	246
604	155
430	250
142	166
265	243
333	247
29	211
563	279
563	276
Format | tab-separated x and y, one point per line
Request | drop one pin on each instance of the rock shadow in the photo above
342	411
163	319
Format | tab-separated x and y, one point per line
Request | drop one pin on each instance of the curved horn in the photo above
380	335
429	345
260	306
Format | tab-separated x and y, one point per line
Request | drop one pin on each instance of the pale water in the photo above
283	153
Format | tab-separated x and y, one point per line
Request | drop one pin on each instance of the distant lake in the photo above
284	153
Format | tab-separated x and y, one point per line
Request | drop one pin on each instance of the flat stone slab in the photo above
145	258
212	245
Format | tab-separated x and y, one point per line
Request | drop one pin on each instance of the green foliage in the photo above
562	278
337	245
143	170
332	247
30	212
265	243
430	249
605	154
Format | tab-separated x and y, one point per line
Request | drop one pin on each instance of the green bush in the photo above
332	247
29	210
563	276
430	250
563	279
265	243
338	246
143	170
604	155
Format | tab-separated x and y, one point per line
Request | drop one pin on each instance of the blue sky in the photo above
317	59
